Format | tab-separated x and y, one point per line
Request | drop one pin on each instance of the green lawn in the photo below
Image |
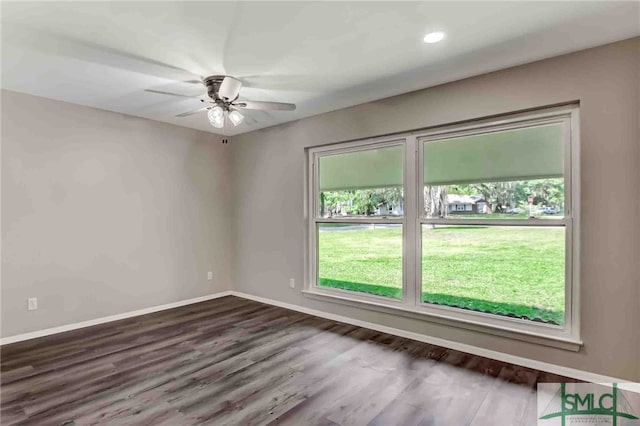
502	270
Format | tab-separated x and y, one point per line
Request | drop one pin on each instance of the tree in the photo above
360	201
515	193
435	201
549	192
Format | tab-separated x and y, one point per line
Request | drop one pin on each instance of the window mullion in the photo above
410	223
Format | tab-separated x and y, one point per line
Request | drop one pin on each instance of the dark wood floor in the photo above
234	361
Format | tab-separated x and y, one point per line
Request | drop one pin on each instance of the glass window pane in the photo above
365	258
539	198
509	271
361	183
515	173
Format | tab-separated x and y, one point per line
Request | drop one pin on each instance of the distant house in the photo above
466	204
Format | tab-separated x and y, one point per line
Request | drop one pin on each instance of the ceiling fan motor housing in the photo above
222	88
213	83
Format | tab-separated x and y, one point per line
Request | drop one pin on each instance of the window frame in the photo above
566	336
315	154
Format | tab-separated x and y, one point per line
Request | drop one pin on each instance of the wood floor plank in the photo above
234	361
509	396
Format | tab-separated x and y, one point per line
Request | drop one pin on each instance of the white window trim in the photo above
566	336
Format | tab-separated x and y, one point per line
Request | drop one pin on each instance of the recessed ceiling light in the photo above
434	37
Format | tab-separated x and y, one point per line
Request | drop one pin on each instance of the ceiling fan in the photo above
224	91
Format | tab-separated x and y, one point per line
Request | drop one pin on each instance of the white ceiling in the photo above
322	56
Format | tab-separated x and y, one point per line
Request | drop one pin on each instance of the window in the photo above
472	225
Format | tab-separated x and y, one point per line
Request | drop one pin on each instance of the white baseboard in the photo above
462	347
500	356
110	318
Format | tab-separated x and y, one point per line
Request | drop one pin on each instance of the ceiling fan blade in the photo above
250	120
194	82
162	92
277	106
49	42
229	88
185	114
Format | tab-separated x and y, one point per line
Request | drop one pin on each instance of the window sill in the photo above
503	331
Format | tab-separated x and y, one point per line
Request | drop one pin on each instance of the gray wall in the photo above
104	213
268	194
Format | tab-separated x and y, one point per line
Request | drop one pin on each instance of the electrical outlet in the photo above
292	283
209	276
32	303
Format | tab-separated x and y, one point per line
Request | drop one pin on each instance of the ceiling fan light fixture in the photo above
236	117
216	117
